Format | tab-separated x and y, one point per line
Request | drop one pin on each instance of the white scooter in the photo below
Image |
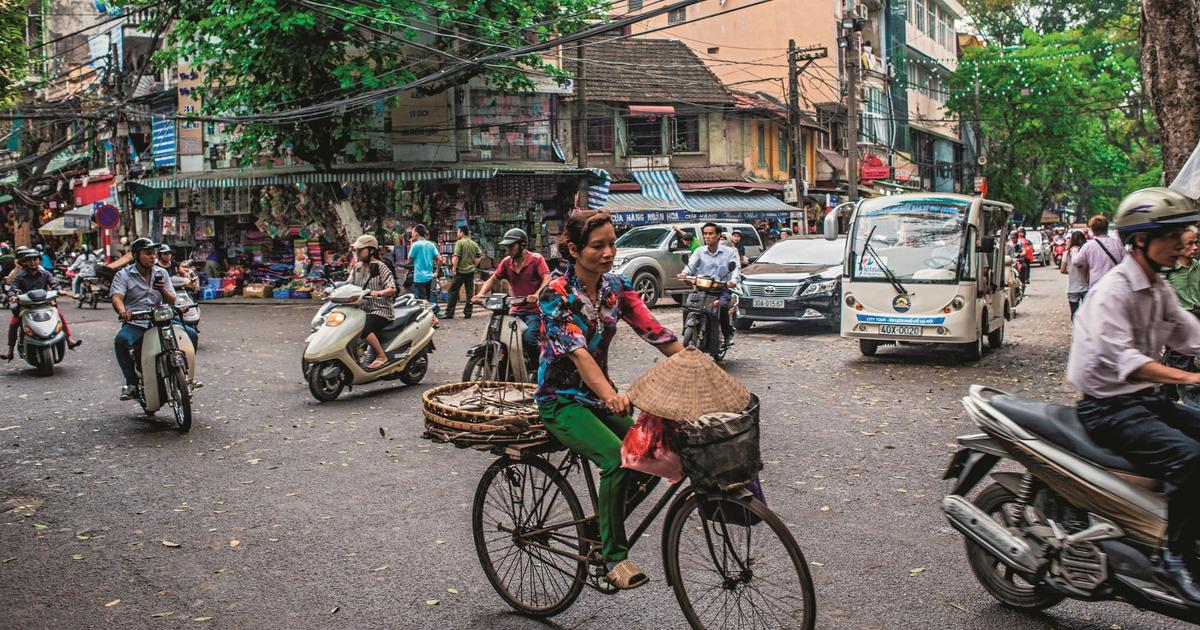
334	353
501	356
40	337
166	365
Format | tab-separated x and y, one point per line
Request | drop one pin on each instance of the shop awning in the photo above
58	227
732	207
265	177
651	110
637	209
659	184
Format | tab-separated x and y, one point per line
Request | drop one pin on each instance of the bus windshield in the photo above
918	240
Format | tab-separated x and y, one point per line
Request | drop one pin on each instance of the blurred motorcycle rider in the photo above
84	266
30	278
527	274
713	260
1128	316
138	287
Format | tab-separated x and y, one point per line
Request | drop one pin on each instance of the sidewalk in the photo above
242	301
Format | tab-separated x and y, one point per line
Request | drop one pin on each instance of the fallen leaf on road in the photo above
817	564
167	543
7	560
272	540
824	508
432	602
201	618
380	568
40	526
439	542
77	557
234	543
382	433
160	615
15	426
452	590
112	603
915	572
334	610
82	537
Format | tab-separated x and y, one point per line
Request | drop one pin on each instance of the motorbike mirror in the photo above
986	245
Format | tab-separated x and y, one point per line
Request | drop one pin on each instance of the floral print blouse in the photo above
570	321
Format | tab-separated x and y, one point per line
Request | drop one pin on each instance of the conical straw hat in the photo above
686	386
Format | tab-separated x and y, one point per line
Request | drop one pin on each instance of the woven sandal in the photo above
627	576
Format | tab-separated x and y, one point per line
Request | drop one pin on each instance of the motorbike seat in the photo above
404	317
1059	425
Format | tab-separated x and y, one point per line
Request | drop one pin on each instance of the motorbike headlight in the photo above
819	288
163	314
494	303
335	319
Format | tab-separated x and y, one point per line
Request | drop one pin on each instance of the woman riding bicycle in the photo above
577	400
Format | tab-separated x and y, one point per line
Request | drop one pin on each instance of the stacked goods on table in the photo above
696	420
482	414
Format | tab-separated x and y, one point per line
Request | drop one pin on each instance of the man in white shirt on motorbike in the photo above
720	263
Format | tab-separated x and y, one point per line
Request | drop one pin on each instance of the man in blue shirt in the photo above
720	263
426	259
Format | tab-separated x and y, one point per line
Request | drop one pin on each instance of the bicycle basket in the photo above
721	454
482	414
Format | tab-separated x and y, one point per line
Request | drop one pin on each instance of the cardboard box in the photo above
257	291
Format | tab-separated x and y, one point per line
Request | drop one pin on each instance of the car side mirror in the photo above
986	245
831	226
685	258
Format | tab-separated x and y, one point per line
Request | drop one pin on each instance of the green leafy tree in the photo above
14	58
1064	118
1003	22
272	55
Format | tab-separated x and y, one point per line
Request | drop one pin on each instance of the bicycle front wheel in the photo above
522	511
734	564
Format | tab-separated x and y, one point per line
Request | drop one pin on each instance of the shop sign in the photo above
873	168
419	118
190	135
639	218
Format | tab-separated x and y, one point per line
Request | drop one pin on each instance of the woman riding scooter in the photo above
29	276
373	275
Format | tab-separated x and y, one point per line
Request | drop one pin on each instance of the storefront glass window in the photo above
515	127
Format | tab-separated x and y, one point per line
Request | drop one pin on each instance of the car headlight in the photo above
619	262
335	318
819	288
163	313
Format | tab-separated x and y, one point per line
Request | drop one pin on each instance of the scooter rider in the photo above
1129	315
372	274
137	287
30	277
84	266
166	260
713	260
527	274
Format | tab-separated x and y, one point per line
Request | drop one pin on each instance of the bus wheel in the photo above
996	337
868	347
974	349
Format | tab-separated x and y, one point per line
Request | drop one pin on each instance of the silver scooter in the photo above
501	356
41	340
334	353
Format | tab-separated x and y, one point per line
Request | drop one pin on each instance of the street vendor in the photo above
577	401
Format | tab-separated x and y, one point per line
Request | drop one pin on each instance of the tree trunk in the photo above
1170	38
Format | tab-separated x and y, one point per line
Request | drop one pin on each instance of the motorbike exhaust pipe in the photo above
977	525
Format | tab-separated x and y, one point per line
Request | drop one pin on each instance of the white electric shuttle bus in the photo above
925	268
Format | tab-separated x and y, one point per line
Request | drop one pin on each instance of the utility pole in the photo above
853	66
795	56
581	123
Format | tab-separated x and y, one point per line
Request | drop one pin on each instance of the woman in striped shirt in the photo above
371	274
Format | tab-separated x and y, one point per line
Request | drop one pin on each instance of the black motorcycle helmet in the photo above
30	254
514	236
164	249
142	243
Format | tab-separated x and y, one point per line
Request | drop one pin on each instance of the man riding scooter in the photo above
84	267
527	274
1128	316
720	263
140	286
31	276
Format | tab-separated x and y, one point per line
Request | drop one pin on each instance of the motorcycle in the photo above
40	337
335	351
1016	288
1078	522
167	353
701	316
1059	249
502	356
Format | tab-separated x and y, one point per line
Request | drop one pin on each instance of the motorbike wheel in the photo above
325	389
998	579
716	345
415	371
95	300
44	360
691	337
181	399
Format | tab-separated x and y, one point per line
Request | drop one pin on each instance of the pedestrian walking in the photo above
1077	279
1185	281
462	265
426	259
1100	254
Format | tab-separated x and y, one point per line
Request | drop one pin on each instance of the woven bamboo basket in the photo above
463	420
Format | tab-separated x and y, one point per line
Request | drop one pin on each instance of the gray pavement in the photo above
280	512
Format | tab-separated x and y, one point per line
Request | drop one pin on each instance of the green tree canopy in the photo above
1003	22
1064	118
14	58
260	56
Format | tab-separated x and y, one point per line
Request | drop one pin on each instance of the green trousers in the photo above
596	435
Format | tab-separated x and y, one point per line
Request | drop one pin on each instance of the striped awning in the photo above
256	178
638	209
659	184
163	141
737	204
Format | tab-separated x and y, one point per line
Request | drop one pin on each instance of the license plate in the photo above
906	331
768	303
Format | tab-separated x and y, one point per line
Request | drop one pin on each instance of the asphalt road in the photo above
288	513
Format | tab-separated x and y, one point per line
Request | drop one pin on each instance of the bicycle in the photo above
539	550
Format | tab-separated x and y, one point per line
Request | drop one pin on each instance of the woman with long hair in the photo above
1077	281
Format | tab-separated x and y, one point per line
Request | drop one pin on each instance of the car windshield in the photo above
643	238
804	251
917	239
1035	238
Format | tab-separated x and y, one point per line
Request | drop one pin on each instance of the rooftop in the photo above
647	71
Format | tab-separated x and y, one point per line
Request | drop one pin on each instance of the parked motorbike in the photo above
40	337
166	353
1059	248
334	354
701	316
1078	522
501	356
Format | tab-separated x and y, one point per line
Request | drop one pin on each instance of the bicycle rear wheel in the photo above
727	572
514	500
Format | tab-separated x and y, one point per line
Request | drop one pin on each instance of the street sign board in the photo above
790	194
876	172
107	216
